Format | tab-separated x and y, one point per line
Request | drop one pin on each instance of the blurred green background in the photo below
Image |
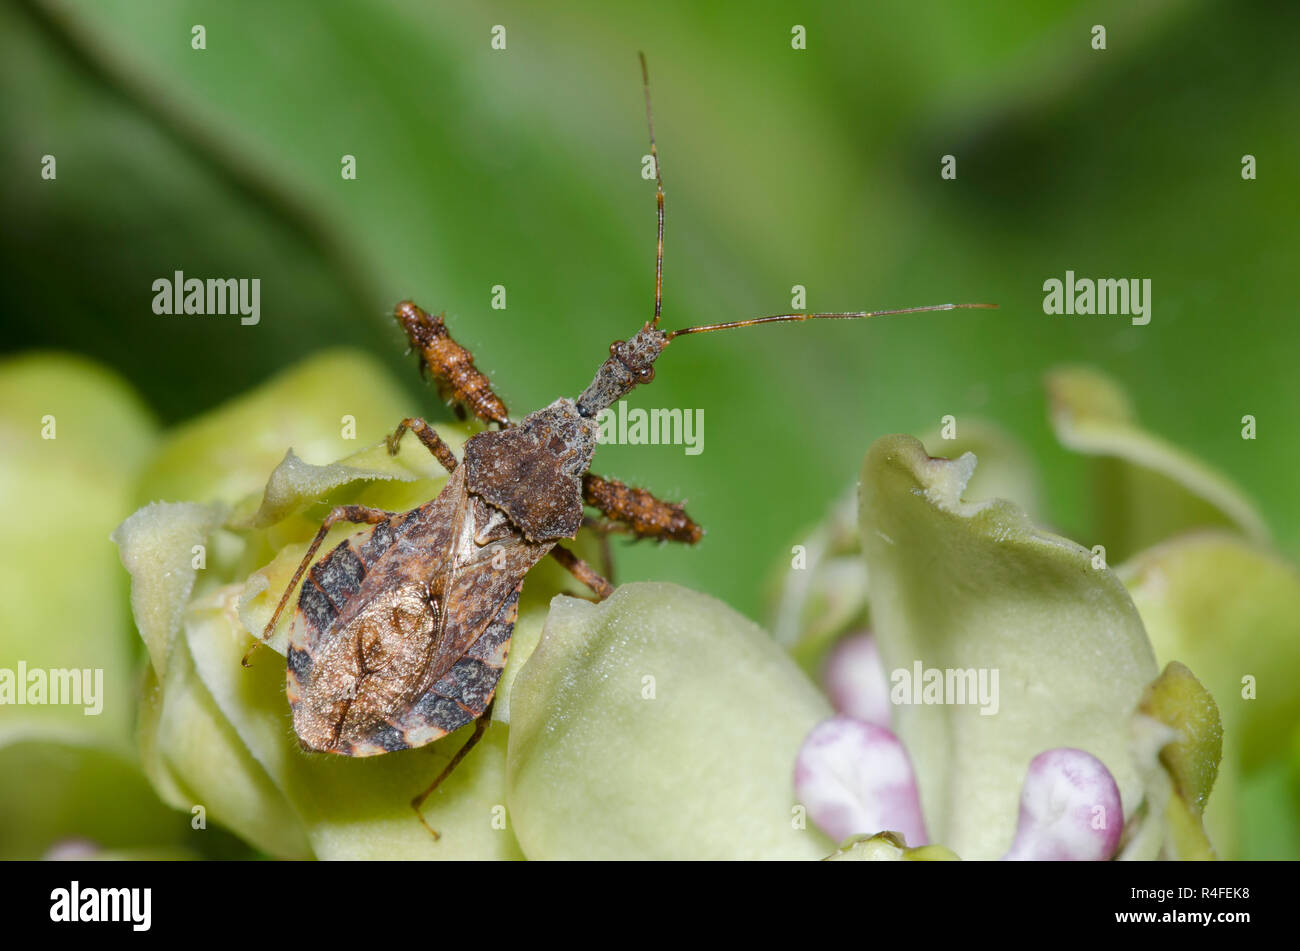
818	167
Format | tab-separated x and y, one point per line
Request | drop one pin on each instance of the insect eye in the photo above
645	374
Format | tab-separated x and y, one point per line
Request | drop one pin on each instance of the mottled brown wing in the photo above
385	648
490	561
459	696
364	634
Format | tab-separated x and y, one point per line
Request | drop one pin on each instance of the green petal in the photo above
544	582
207	763
60	788
62	592
931	853
1188	756
227	454
188	748
1178	700
1146	489
1231	611
889	847
828	597
881	847
695	762
823	593
63	605
1005	470
960	585
294	484
157	545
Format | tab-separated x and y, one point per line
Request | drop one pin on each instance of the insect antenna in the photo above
659	194
854	315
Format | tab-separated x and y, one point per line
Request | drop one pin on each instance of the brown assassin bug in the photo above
401	631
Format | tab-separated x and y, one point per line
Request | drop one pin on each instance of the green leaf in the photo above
658	724
957	585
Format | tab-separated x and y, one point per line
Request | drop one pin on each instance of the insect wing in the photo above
403	629
462	694
490	562
365	631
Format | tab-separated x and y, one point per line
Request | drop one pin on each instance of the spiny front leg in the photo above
451	365
358	514
643	515
431	441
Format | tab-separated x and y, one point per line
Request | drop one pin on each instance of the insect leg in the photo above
361	515
480	727
427	436
451	365
644	515
583	572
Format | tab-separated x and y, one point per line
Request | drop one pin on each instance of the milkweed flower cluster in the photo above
659	723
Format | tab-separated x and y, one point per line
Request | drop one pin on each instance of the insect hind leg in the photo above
583	572
480	727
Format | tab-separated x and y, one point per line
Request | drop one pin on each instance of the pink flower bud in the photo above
855	778
1069	809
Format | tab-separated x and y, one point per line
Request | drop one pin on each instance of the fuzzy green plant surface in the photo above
947	572
660	723
657	724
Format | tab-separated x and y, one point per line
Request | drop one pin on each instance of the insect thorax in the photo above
533	471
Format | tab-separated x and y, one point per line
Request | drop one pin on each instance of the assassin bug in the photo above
401	631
